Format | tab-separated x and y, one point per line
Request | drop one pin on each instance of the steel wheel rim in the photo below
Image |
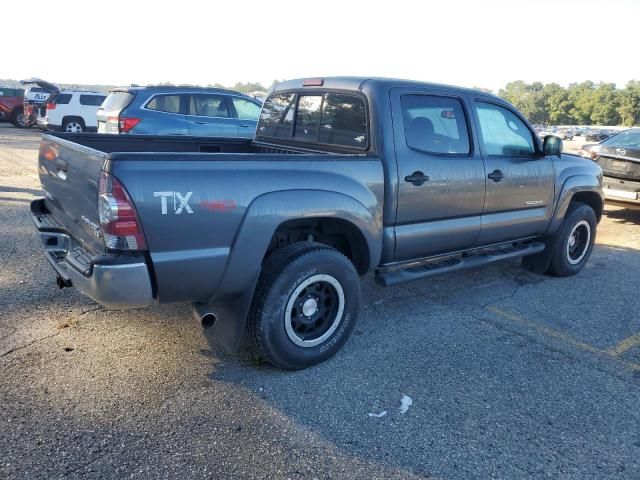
73	127
314	310
578	242
21	120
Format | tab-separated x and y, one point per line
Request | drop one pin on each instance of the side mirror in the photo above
552	145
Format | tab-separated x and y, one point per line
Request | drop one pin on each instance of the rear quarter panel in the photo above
206	200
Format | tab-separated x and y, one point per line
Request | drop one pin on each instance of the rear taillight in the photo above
51	106
126	124
118	218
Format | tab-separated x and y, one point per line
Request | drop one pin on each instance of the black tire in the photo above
294	281
72	124
575	240
17	118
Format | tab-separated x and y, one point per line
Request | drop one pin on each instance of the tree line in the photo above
585	103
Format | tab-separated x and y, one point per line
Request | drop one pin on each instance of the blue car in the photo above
162	110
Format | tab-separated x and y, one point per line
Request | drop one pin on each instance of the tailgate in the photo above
69	173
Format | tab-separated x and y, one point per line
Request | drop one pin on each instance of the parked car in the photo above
589	150
71	111
619	158
37	93
202	112
597	135
561	134
344	176
11	105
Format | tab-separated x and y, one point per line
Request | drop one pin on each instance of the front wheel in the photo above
306	305
575	240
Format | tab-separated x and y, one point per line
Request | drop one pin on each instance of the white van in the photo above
71	111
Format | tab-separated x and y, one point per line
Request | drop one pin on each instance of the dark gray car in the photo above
344	176
200	112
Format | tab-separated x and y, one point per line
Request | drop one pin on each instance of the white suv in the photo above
71	111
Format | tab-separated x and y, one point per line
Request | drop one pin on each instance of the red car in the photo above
11	106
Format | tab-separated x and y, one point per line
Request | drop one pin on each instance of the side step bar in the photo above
453	264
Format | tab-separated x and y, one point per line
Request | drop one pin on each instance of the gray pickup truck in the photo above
268	237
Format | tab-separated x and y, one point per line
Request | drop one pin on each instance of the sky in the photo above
484	43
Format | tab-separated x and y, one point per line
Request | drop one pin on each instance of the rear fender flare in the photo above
267	212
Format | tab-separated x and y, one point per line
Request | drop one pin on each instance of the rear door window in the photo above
246	109
93	100
207	105
276	118
435	124
165	103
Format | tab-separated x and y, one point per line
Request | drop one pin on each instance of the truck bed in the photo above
171	143
225	184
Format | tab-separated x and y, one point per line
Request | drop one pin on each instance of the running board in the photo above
453	264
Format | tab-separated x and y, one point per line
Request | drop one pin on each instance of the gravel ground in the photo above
510	375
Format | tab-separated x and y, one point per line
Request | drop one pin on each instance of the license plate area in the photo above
619	165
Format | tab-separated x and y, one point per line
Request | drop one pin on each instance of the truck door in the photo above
520	180
440	173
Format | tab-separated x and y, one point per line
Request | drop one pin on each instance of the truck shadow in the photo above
465	374
627	216
31	191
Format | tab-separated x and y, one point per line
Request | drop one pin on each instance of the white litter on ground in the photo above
378	415
405	403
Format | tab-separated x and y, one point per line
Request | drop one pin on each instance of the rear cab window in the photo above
322	118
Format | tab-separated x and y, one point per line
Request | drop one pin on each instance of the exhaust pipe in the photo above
203	314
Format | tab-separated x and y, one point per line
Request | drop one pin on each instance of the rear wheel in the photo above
19	119
575	240
306	305
73	125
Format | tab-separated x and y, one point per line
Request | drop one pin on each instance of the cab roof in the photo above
358	84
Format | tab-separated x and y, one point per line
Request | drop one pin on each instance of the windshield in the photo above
628	138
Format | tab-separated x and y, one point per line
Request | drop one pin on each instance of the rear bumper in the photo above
624	191
115	281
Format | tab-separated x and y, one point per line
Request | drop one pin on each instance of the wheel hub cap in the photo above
310	307
314	310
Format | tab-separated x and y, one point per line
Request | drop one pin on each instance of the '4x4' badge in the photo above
180	202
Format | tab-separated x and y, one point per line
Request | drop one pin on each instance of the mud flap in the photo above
228	331
539	262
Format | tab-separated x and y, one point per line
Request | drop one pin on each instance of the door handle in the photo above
417	178
496	176
246	126
201	123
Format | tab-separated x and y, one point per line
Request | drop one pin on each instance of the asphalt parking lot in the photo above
491	373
